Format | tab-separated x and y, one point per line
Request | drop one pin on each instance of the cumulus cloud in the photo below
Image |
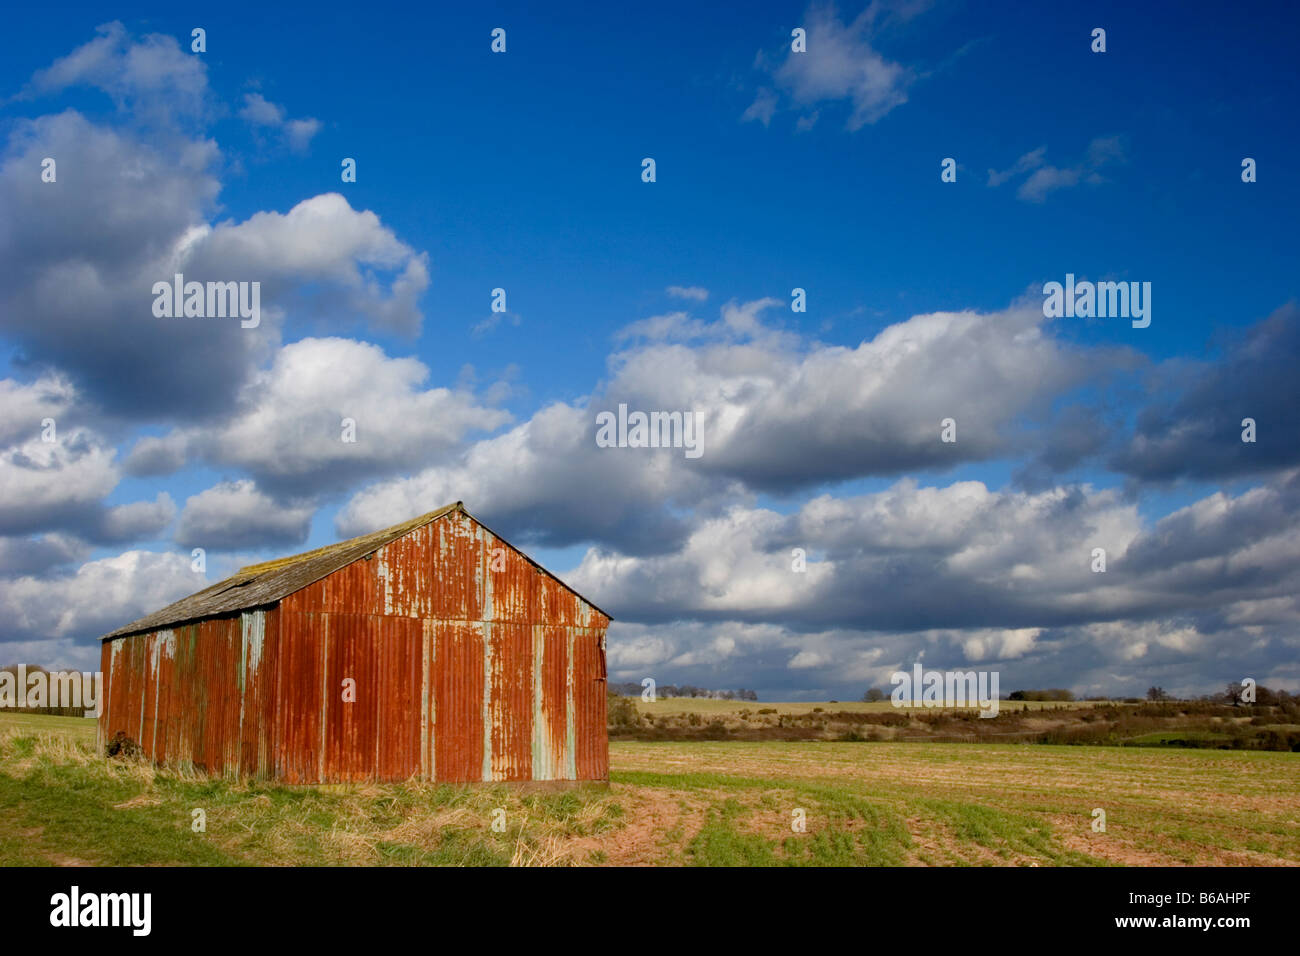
1192	426
21	556
320	240
777	413
677	326
536	464
82	254
152	455
28	406
236	514
136	520
46	615
61	485
150	77
965	575
291	430
779	416
909	557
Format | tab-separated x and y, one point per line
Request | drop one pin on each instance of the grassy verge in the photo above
62	803
672	803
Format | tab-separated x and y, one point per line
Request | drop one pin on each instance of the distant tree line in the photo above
1237	696
633	689
1051	693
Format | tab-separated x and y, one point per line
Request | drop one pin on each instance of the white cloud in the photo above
26	407
261	112
288	428
322	239
235	514
44	484
157	455
777	413
100	596
151	76
81	259
1045	179
841	64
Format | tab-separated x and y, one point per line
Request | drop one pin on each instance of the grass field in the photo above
703	803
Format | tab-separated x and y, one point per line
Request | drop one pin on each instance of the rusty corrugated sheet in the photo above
470	663
457	704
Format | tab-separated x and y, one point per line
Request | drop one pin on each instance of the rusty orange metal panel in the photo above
162	667
560	604
511	698
133	714
257	629
553	750
457	685
514	585
404	573
149	693
299	668
455	552
377	734
401	679
267	742
591	734
354	589
216	651
351	727
349	589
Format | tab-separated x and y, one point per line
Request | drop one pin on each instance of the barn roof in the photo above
268	582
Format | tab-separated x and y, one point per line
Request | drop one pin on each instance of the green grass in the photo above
967	804
80	729
693	803
61	802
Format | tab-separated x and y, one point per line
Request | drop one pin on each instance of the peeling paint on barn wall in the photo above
471	662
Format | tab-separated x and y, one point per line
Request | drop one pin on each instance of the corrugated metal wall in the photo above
468	663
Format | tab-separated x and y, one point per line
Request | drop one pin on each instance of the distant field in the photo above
81	729
708	705
709	803
942	804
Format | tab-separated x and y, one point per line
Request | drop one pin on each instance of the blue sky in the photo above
774	170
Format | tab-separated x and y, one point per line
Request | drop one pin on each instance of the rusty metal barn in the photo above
471	663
